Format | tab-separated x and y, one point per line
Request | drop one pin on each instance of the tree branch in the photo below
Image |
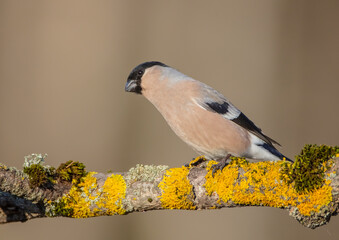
145	188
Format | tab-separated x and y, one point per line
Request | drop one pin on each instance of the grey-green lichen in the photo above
315	219
144	173
34	159
144	179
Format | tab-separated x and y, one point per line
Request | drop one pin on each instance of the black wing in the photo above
246	123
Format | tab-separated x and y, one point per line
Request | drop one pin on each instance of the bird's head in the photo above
140	74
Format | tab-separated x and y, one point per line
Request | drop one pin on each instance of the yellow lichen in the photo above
78	201
196	160
86	199
114	191
259	184
176	189
221	183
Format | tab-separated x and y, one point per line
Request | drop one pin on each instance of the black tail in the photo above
275	152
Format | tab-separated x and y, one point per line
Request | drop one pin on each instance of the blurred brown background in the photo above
63	67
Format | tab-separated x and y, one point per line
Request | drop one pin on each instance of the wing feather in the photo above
215	102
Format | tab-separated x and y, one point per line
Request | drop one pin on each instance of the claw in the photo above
220	165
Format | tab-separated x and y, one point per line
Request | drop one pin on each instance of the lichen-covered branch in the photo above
309	189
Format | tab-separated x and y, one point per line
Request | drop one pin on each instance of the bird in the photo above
201	116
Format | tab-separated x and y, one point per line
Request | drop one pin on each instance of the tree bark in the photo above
145	188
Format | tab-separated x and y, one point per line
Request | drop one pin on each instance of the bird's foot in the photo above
220	165
195	161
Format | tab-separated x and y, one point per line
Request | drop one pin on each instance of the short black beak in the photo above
131	85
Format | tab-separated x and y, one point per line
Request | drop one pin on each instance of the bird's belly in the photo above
208	133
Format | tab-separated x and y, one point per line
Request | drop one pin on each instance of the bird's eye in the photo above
140	72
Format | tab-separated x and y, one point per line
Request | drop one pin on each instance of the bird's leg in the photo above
221	164
195	161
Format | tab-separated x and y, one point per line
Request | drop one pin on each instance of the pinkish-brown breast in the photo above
207	132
